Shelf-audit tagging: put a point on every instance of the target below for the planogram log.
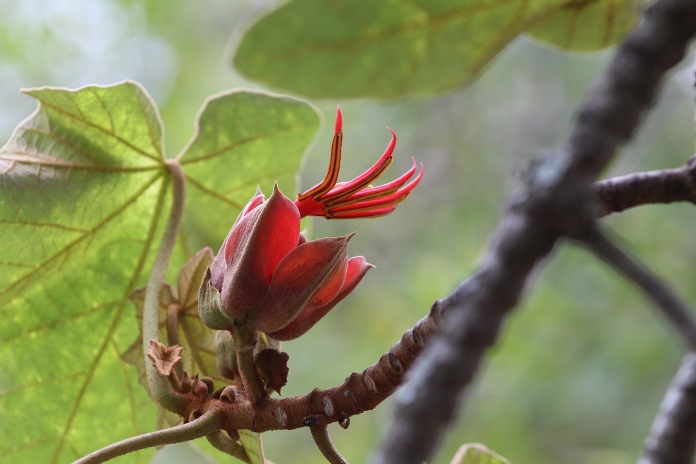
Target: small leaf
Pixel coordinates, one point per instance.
(251, 441)
(407, 48)
(476, 453)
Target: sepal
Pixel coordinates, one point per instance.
(210, 307)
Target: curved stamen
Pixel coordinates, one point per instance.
(332, 173)
(378, 191)
(367, 177)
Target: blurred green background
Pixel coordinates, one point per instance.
(581, 366)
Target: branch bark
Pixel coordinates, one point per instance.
(556, 203)
(672, 438)
(674, 308)
(663, 186)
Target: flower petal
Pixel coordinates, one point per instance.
(308, 317)
(316, 268)
(260, 240)
(236, 238)
(364, 179)
(334, 164)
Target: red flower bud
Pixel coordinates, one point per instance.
(268, 274)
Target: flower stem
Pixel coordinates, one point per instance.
(200, 427)
(244, 342)
(159, 386)
(321, 436)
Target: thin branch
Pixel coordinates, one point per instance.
(321, 436)
(159, 387)
(673, 307)
(556, 202)
(664, 186)
(177, 434)
(672, 438)
(359, 393)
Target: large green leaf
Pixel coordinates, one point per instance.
(84, 190)
(397, 48)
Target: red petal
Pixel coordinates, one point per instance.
(334, 163)
(357, 268)
(364, 179)
(238, 233)
(314, 268)
(338, 126)
(375, 204)
(253, 203)
(266, 235)
(381, 190)
(219, 264)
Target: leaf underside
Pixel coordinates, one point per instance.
(84, 195)
(411, 48)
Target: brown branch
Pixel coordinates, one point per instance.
(674, 309)
(672, 438)
(357, 394)
(557, 202)
(664, 186)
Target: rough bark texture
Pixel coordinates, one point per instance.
(672, 438)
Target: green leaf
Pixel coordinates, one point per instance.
(197, 340)
(476, 453)
(252, 445)
(587, 25)
(400, 48)
(82, 192)
(242, 140)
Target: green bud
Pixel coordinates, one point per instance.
(226, 356)
(210, 307)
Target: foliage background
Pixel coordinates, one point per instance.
(582, 365)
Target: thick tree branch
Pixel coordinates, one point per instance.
(557, 202)
(672, 438)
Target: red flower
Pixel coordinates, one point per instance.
(356, 198)
(268, 275)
